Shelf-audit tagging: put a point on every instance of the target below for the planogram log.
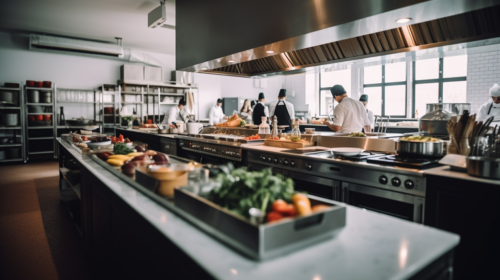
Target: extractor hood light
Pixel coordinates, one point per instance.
(230, 61)
(403, 20)
(269, 51)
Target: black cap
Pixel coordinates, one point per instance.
(261, 96)
(282, 93)
(337, 90)
(363, 98)
(182, 102)
(219, 100)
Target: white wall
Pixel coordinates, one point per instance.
(209, 90)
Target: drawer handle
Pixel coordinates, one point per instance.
(309, 222)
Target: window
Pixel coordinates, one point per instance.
(385, 86)
(439, 80)
(327, 80)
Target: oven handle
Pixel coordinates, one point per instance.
(387, 194)
(345, 192)
(419, 210)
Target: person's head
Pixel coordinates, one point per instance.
(253, 103)
(246, 106)
(182, 103)
(364, 99)
(219, 102)
(495, 93)
(262, 98)
(338, 93)
(282, 94)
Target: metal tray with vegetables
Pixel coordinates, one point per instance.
(260, 214)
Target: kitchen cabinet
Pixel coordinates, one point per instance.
(12, 128)
(470, 209)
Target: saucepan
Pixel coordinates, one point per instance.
(484, 167)
(420, 149)
(194, 128)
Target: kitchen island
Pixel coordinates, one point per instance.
(128, 235)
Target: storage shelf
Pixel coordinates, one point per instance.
(73, 127)
(40, 153)
(41, 138)
(9, 127)
(72, 180)
(131, 92)
(155, 84)
(11, 160)
(9, 88)
(40, 88)
(40, 127)
(40, 113)
(10, 145)
(40, 104)
(109, 103)
(131, 103)
(75, 102)
(9, 108)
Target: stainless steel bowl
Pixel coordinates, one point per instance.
(421, 149)
(484, 167)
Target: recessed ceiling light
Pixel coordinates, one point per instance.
(269, 51)
(230, 61)
(403, 20)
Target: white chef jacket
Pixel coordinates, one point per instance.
(483, 115)
(351, 115)
(173, 116)
(216, 115)
(370, 117)
(289, 108)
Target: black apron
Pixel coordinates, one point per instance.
(283, 116)
(258, 113)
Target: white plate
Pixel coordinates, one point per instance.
(348, 152)
(98, 144)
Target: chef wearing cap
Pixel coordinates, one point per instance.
(364, 99)
(216, 115)
(350, 115)
(284, 110)
(176, 113)
(260, 110)
(491, 108)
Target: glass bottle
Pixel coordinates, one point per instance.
(274, 132)
(62, 119)
(295, 135)
(264, 127)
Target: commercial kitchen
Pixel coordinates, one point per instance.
(249, 139)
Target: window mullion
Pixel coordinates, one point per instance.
(441, 62)
(383, 90)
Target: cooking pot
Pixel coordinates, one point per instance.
(46, 97)
(434, 123)
(456, 109)
(484, 167)
(420, 149)
(194, 128)
(6, 96)
(33, 96)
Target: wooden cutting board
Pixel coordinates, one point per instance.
(287, 144)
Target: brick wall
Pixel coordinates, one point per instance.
(483, 70)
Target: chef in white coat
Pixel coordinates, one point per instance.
(216, 115)
(176, 113)
(491, 108)
(350, 114)
(364, 99)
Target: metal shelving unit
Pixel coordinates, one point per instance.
(45, 132)
(18, 131)
(109, 97)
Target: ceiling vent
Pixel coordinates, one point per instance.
(74, 45)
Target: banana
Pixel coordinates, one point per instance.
(115, 162)
(135, 154)
(119, 157)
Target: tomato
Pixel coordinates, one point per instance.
(291, 212)
(74, 139)
(274, 217)
(85, 138)
(280, 206)
(31, 118)
(121, 138)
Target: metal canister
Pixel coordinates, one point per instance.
(46, 97)
(421, 149)
(33, 96)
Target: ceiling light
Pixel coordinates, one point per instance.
(230, 61)
(269, 51)
(403, 20)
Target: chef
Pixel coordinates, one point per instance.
(364, 99)
(260, 110)
(491, 108)
(176, 113)
(350, 115)
(284, 110)
(216, 115)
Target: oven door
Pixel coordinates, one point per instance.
(322, 187)
(404, 206)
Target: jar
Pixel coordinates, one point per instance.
(295, 134)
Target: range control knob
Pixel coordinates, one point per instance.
(383, 180)
(263, 158)
(276, 161)
(309, 166)
(269, 159)
(285, 162)
(396, 182)
(292, 163)
(409, 184)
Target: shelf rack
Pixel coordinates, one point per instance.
(18, 130)
(112, 92)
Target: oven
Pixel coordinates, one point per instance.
(405, 206)
(210, 153)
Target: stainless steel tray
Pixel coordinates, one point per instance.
(267, 240)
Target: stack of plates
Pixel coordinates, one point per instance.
(35, 109)
(9, 119)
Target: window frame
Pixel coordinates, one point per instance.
(440, 81)
(383, 85)
(319, 95)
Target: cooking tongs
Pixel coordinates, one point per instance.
(381, 123)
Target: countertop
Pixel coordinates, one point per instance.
(447, 172)
(171, 136)
(371, 246)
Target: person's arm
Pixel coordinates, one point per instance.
(366, 122)
(368, 129)
(338, 112)
(211, 116)
(292, 112)
(332, 126)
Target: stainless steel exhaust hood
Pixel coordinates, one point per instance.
(254, 37)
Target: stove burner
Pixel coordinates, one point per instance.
(404, 161)
(360, 157)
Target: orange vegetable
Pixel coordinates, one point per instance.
(280, 206)
(320, 207)
(302, 204)
(274, 217)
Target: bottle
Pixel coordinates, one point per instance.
(62, 120)
(274, 132)
(264, 127)
(295, 135)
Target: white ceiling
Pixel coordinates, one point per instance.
(92, 19)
